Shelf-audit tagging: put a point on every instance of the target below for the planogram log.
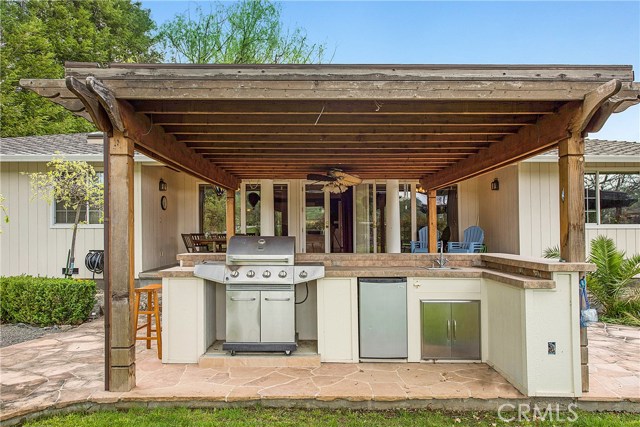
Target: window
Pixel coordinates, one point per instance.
(612, 197)
(63, 215)
(213, 209)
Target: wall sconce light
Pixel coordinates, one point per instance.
(495, 184)
(162, 186)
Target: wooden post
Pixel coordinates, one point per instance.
(572, 239)
(231, 214)
(120, 329)
(571, 164)
(432, 209)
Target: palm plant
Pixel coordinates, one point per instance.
(611, 283)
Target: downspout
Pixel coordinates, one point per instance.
(107, 282)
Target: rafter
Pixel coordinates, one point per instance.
(529, 141)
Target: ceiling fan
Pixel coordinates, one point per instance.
(336, 181)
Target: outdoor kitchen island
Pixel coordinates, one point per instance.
(528, 311)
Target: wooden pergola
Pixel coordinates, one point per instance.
(439, 124)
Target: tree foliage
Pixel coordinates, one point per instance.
(245, 32)
(38, 36)
(75, 184)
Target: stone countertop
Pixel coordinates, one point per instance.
(532, 263)
(516, 280)
(394, 271)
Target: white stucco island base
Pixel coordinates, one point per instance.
(529, 312)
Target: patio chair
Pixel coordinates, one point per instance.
(422, 244)
(472, 241)
(192, 245)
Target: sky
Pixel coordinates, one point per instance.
(469, 32)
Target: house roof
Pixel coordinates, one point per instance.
(601, 150)
(37, 148)
(75, 147)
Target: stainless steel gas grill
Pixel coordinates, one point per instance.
(260, 276)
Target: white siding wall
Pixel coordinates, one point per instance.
(161, 240)
(29, 244)
(539, 208)
(468, 209)
(495, 211)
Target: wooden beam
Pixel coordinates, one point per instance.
(92, 105)
(310, 149)
(432, 221)
(571, 168)
(231, 214)
(437, 141)
(340, 130)
(528, 142)
(345, 107)
(357, 72)
(286, 119)
(119, 264)
(460, 90)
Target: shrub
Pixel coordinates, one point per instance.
(45, 301)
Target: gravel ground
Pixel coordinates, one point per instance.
(14, 333)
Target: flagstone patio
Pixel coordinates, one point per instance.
(63, 369)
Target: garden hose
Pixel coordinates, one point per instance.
(94, 261)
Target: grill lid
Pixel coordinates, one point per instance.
(272, 250)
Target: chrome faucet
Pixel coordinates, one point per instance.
(442, 262)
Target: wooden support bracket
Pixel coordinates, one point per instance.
(593, 101)
(91, 103)
(108, 101)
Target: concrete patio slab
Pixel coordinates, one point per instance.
(67, 369)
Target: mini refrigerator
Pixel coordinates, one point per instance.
(382, 315)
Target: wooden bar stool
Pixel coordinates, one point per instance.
(153, 309)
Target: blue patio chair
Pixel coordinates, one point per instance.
(422, 244)
(472, 241)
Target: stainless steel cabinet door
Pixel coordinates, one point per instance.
(277, 316)
(243, 316)
(465, 330)
(436, 330)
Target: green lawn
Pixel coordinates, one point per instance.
(320, 417)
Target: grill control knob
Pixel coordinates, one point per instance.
(234, 273)
(282, 274)
(303, 274)
(251, 273)
(266, 274)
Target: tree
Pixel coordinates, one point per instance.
(3, 210)
(245, 32)
(37, 37)
(76, 185)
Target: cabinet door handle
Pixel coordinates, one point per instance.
(277, 299)
(448, 329)
(242, 299)
(455, 325)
